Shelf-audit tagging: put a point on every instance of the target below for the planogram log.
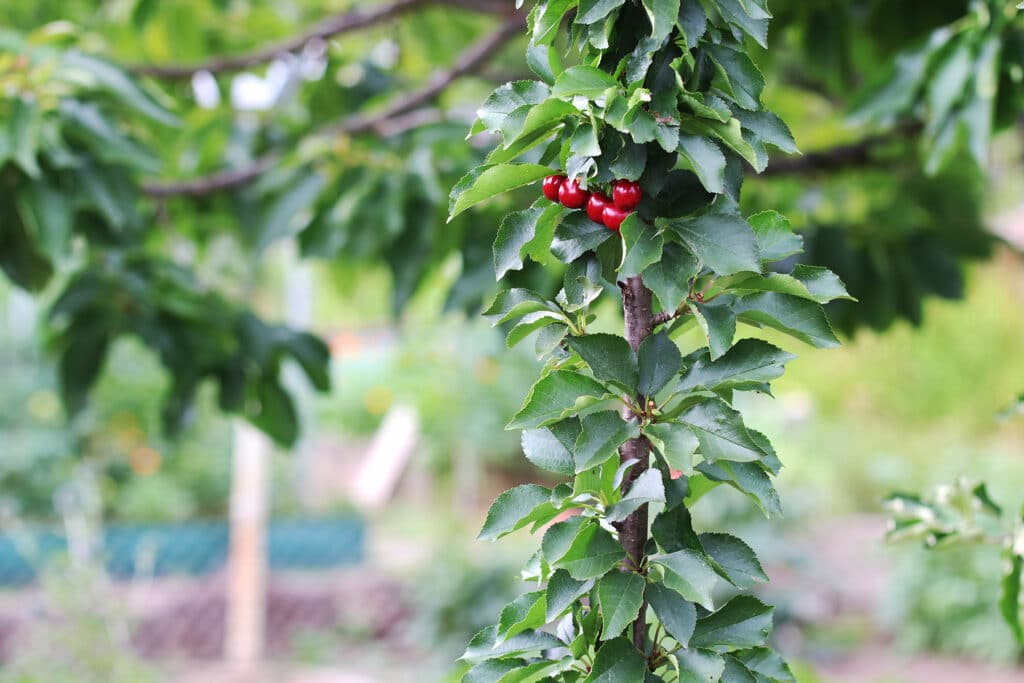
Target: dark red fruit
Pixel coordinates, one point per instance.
(595, 206)
(614, 216)
(626, 194)
(572, 195)
(551, 185)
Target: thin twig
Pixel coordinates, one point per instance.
(383, 122)
(328, 28)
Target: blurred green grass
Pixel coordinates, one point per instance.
(910, 407)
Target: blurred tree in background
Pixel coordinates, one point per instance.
(154, 153)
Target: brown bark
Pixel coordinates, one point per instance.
(639, 314)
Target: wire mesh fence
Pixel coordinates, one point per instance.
(159, 592)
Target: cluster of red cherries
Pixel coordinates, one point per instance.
(610, 212)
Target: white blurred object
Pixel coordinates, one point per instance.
(250, 92)
(384, 54)
(313, 60)
(206, 90)
(388, 455)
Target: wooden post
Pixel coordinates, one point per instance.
(247, 559)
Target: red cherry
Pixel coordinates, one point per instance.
(551, 185)
(614, 216)
(572, 195)
(596, 205)
(627, 194)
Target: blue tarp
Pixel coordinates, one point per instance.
(193, 548)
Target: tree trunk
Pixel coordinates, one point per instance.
(639, 315)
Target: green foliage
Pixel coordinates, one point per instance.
(92, 149)
(677, 93)
(961, 515)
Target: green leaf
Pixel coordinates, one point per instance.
(768, 663)
(530, 323)
(630, 162)
(718, 321)
(312, 355)
(735, 558)
(555, 397)
(1009, 601)
(676, 442)
(947, 86)
(522, 614)
(729, 133)
(799, 318)
(559, 538)
(544, 450)
(735, 672)
(506, 99)
(594, 551)
(978, 114)
(748, 16)
(562, 592)
(104, 76)
(576, 235)
(669, 279)
(742, 623)
(485, 182)
(692, 22)
(514, 509)
(743, 80)
(483, 645)
(609, 357)
(81, 362)
(721, 432)
(678, 616)
(517, 233)
(662, 15)
(582, 283)
(621, 594)
(515, 303)
(539, 123)
(548, 19)
(823, 285)
(593, 11)
(749, 479)
(706, 160)
(673, 530)
(602, 434)
(647, 488)
(643, 246)
(588, 81)
(769, 127)
(544, 61)
(725, 243)
(492, 671)
(290, 212)
(699, 666)
(86, 122)
(748, 365)
(688, 573)
(617, 662)
(276, 415)
(47, 216)
(816, 284)
(659, 361)
(775, 238)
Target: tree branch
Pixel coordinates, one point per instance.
(860, 154)
(393, 118)
(328, 28)
(637, 307)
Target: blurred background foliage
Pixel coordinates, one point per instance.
(159, 280)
